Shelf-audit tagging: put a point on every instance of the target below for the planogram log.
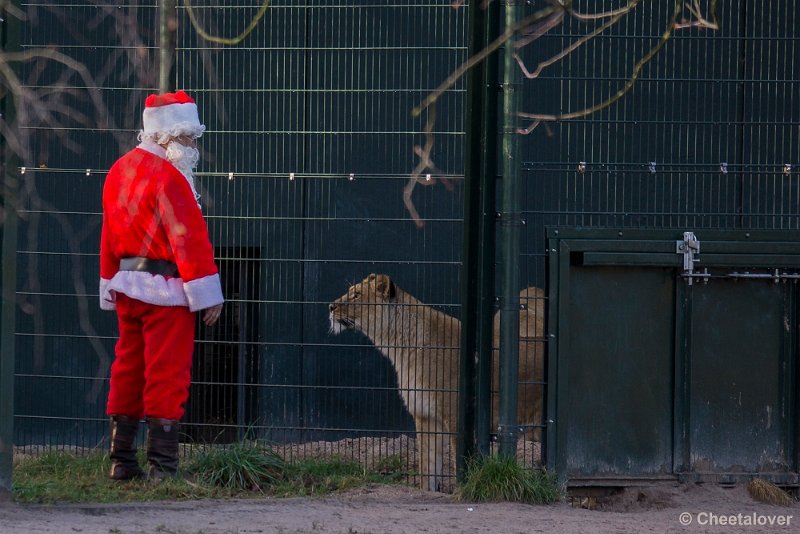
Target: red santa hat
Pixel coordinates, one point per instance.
(171, 115)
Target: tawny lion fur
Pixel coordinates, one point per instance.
(423, 346)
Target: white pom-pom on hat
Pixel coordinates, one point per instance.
(171, 115)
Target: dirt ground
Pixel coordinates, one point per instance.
(400, 509)
(403, 509)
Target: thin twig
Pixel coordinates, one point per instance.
(605, 14)
(574, 46)
(226, 40)
(41, 107)
(481, 56)
(424, 154)
(637, 70)
(701, 21)
(529, 129)
(540, 29)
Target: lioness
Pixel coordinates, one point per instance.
(423, 345)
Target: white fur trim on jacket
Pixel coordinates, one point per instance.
(153, 148)
(155, 289)
(139, 285)
(203, 292)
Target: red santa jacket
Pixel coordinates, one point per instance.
(149, 210)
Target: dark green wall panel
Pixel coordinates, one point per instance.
(739, 396)
(619, 373)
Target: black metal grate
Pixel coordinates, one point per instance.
(708, 137)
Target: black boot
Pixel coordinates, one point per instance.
(162, 448)
(124, 465)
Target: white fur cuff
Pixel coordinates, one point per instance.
(203, 292)
(106, 297)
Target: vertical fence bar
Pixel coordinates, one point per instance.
(167, 26)
(8, 279)
(478, 287)
(471, 265)
(510, 222)
(7, 317)
(486, 281)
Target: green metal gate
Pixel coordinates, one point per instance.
(673, 355)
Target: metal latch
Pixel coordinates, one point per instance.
(776, 276)
(690, 248)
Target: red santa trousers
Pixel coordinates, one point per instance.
(152, 370)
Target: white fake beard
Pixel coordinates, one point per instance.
(185, 159)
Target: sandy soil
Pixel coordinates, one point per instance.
(403, 509)
(384, 509)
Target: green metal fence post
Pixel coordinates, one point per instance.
(167, 25)
(477, 292)
(7, 320)
(8, 278)
(488, 257)
(471, 251)
(510, 222)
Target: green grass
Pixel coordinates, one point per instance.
(62, 477)
(250, 469)
(243, 470)
(242, 466)
(319, 477)
(502, 478)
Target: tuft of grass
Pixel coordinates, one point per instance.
(502, 478)
(765, 491)
(242, 466)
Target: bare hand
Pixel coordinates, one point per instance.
(211, 315)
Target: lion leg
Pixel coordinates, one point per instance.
(439, 455)
(453, 453)
(422, 456)
(430, 441)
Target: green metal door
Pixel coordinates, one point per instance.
(668, 363)
(739, 377)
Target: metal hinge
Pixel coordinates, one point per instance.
(689, 246)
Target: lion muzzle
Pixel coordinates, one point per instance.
(340, 324)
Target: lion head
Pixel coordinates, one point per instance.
(359, 307)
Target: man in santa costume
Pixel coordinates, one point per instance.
(156, 269)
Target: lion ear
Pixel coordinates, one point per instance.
(385, 287)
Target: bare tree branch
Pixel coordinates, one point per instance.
(604, 14)
(637, 70)
(700, 21)
(226, 40)
(53, 104)
(528, 21)
(425, 163)
(577, 44)
(31, 101)
(532, 28)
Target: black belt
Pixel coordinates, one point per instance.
(162, 267)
